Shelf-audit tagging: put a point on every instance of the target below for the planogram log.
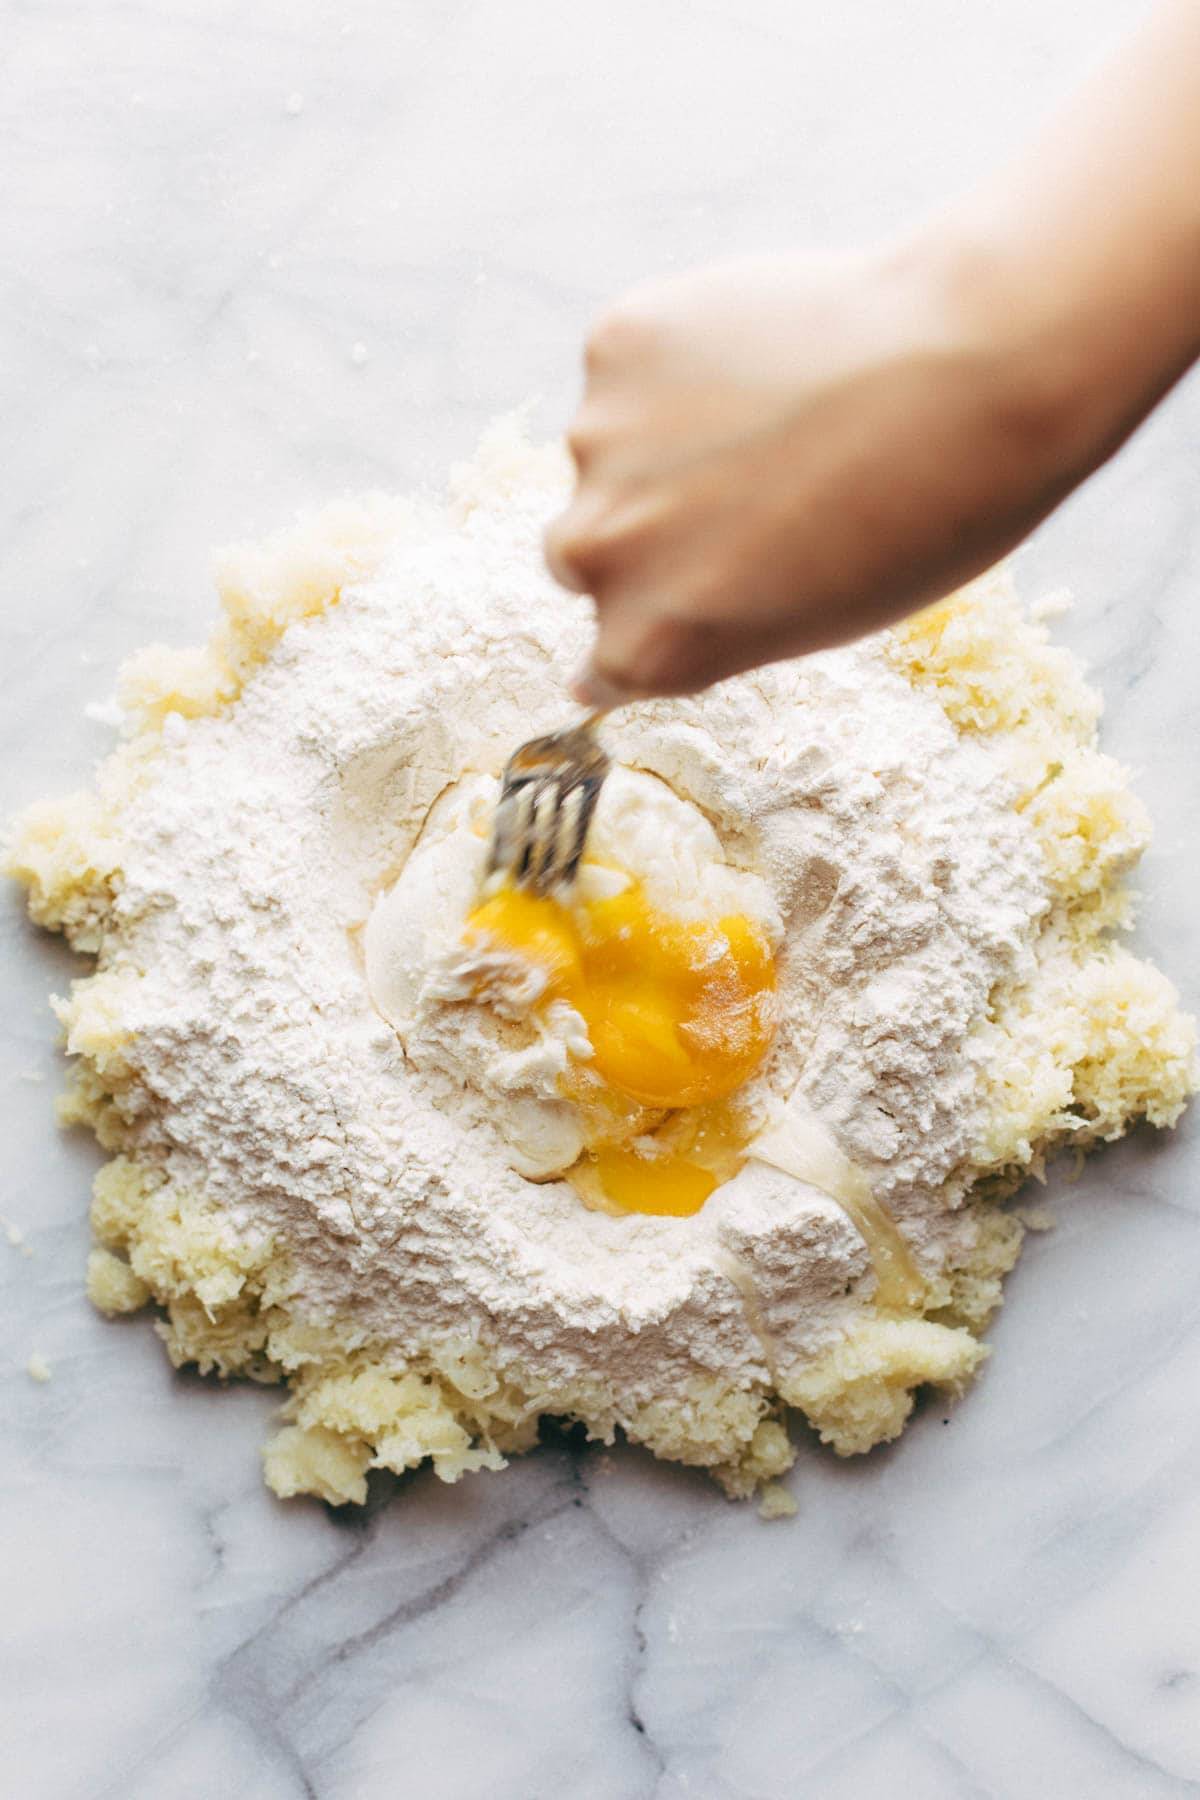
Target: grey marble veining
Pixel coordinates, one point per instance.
(258, 255)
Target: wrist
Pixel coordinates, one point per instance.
(1033, 348)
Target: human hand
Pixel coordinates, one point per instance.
(779, 455)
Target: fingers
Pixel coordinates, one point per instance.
(605, 531)
(652, 633)
(578, 542)
(643, 649)
(593, 689)
(571, 541)
(609, 540)
(575, 541)
(625, 336)
(564, 546)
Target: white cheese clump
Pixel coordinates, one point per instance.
(331, 1189)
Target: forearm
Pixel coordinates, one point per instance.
(1086, 251)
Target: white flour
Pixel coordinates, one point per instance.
(906, 884)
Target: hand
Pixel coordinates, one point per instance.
(779, 455)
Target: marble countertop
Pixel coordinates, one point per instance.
(257, 255)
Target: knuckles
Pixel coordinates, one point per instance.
(581, 442)
(624, 331)
(572, 551)
(585, 542)
(666, 653)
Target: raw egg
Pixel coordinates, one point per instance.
(678, 1013)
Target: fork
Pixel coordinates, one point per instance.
(548, 793)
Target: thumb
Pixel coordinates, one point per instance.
(593, 688)
(641, 651)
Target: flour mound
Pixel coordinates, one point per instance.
(334, 1189)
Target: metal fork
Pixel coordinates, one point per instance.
(548, 794)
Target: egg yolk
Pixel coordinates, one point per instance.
(678, 1013)
(673, 1169)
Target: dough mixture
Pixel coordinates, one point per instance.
(728, 1133)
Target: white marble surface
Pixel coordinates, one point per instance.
(206, 207)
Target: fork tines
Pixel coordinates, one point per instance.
(548, 794)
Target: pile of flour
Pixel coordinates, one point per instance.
(903, 885)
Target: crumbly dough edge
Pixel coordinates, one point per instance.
(1071, 1058)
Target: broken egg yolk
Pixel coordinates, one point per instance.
(678, 1013)
(671, 1170)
